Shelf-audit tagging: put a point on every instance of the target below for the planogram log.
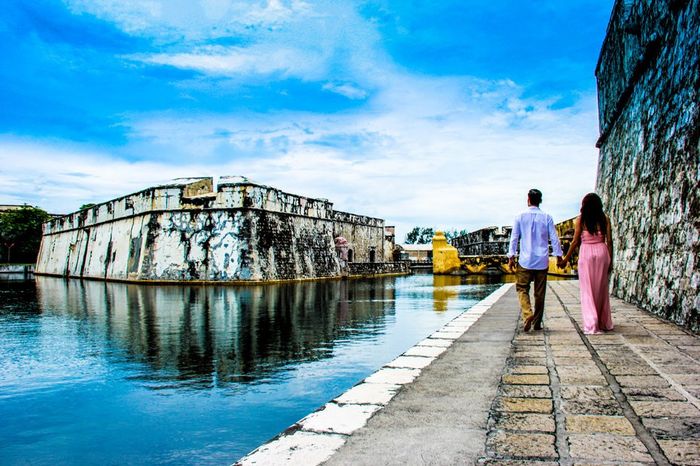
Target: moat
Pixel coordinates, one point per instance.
(110, 373)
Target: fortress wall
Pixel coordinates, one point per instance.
(484, 242)
(216, 245)
(649, 165)
(364, 234)
(187, 232)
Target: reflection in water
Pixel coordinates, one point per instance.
(218, 335)
(96, 372)
(444, 288)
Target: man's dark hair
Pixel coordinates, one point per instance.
(535, 197)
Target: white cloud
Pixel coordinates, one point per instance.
(232, 61)
(348, 90)
(429, 154)
(192, 19)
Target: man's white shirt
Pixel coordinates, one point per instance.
(534, 229)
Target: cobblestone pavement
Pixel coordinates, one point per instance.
(628, 397)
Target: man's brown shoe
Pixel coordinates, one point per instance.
(528, 324)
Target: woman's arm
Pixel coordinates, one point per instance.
(575, 242)
(609, 242)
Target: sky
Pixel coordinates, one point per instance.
(424, 113)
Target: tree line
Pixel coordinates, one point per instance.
(420, 235)
(20, 234)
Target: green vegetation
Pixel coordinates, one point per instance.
(20, 234)
(421, 235)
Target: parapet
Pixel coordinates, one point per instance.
(195, 194)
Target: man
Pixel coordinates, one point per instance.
(534, 229)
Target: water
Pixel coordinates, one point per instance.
(110, 373)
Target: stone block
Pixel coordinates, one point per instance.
(425, 351)
(298, 448)
(684, 452)
(599, 424)
(604, 407)
(516, 445)
(393, 376)
(525, 422)
(631, 369)
(368, 393)
(524, 405)
(526, 391)
(607, 448)
(664, 409)
(529, 370)
(674, 428)
(338, 419)
(641, 381)
(526, 379)
(652, 394)
(411, 362)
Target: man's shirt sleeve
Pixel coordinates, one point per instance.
(514, 238)
(554, 238)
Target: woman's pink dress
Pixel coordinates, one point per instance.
(593, 264)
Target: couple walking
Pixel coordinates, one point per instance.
(534, 230)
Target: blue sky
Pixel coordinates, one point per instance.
(425, 113)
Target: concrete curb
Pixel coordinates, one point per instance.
(315, 438)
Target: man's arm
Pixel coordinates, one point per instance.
(554, 238)
(513, 247)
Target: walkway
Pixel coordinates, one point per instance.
(499, 396)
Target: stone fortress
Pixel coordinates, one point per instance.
(187, 231)
(649, 167)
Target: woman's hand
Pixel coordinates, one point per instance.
(561, 263)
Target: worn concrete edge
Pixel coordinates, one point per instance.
(315, 438)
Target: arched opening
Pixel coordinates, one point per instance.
(350, 254)
(372, 255)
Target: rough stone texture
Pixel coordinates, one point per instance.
(510, 444)
(602, 447)
(525, 405)
(672, 428)
(649, 167)
(186, 231)
(685, 452)
(600, 424)
(525, 422)
(490, 241)
(526, 379)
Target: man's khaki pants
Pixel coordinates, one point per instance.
(522, 285)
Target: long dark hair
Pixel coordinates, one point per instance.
(592, 215)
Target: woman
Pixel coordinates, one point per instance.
(593, 233)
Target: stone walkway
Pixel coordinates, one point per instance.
(626, 397)
(499, 396)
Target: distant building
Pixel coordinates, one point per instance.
(9, 207)
(418, 252)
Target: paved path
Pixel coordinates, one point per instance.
(501, 396)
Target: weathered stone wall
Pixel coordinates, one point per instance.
(378, 268)
(488, 241)
(365, 235)
(187, 232)
(649, 166)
